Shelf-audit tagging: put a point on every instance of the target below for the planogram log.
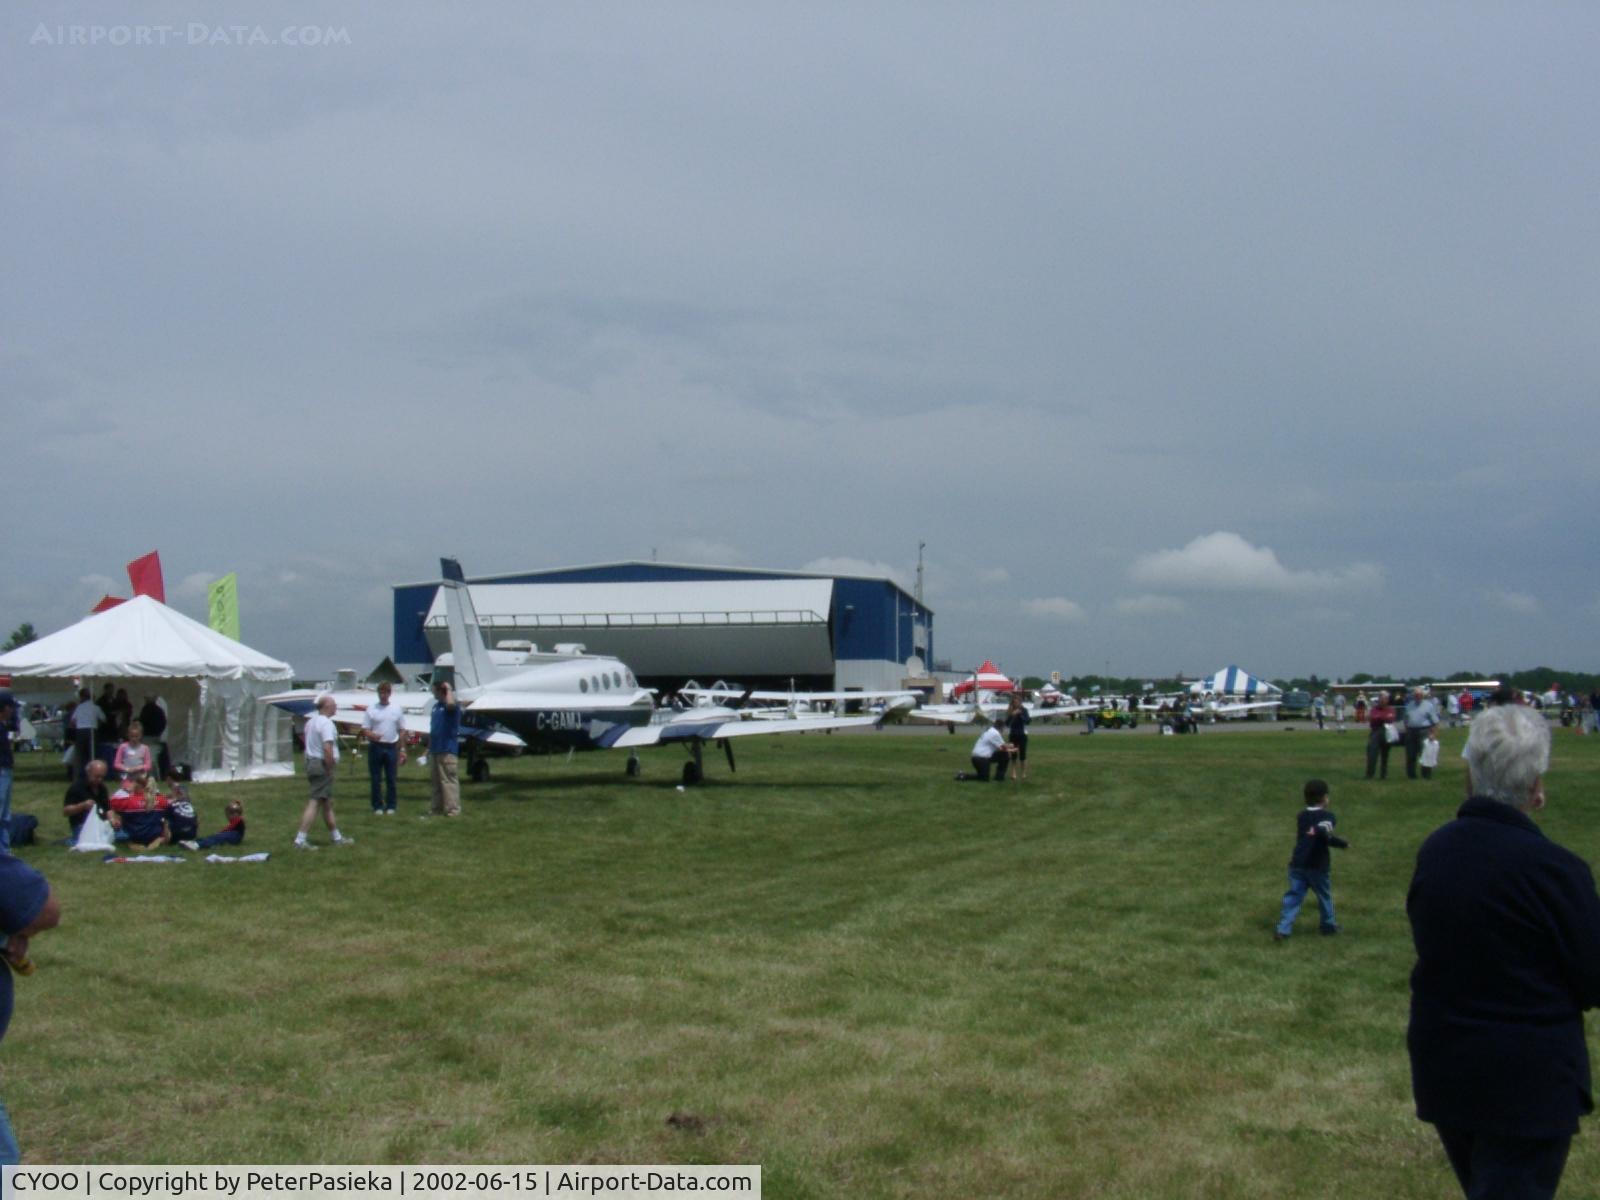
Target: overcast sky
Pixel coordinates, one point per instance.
(1182, 334)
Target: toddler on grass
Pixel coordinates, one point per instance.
(1309, 864)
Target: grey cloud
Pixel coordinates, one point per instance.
(1051, 289)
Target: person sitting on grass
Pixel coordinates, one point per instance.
(87, 794)
(1309, 863)
(990, 753)
(140, 811)
(182, 825)
(230, 835)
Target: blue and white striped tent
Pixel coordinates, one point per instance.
(1231, 681)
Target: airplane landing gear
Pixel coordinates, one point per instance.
(477, 763)
(694, 769)
(634, 766)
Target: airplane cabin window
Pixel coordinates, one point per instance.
(583, 685)
(605, 682)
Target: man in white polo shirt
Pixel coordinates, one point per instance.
(382, 725)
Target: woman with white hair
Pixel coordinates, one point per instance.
(1507, 930)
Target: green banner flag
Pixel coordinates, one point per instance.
(223, 596)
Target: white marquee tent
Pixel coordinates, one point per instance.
(210, 684)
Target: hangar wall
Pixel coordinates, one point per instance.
(672, 621)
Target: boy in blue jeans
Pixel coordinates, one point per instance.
(231, 834)
(1308, 865)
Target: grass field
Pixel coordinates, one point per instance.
(838, 963)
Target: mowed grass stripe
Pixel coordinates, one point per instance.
(837, 962)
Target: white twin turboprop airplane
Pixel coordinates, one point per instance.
(590, 702)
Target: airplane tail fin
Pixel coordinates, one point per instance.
(473, 667)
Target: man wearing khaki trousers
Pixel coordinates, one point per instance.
(444, 743)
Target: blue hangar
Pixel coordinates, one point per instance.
(672, 622)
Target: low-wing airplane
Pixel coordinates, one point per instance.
(1222, 706)
(590, 702)
(758, 705)
(986, 695)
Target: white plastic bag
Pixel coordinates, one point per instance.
(95, 834)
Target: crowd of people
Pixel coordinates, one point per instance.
(94, 727)
(144, 813)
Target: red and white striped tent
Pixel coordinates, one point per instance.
(987, 679)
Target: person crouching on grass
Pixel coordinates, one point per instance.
(1308, 865)
(991, 752)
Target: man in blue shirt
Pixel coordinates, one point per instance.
(27, 907)
(444, 744)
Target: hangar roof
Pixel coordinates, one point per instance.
(747, 601)
(651, 569)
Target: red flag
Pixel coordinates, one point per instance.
(145, 575)
(107, 601)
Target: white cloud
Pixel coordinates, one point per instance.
(839, 565)
(1517, 602)
(1054, 608)
(1149, 605)
(194, 585)
(98, 583)
(1224, 561)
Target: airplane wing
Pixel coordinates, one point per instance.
(1223, 710)
(350, 708)
(716, 729)
(1060, 710)
(774, 697)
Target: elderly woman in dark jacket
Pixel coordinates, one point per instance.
(1379, 717)
(1507, 930)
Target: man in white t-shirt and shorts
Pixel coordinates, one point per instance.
(322, 759)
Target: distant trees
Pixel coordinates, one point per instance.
(20, 636)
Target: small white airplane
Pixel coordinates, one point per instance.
(759, 705)
(590, 702)
(1215, 707)
(987, 694)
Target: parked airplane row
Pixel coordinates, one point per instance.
(565, 702)
(573, 702)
